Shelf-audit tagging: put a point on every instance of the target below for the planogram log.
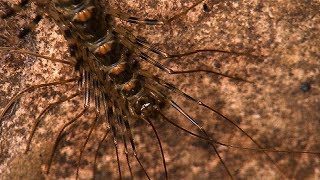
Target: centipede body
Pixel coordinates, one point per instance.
(282, 110)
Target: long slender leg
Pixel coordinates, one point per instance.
(87, 89)
(213, 51)
(140, 42)
(154, 62)
(131, 19)
(31, 88)
(22, 51)
(109, 113)
(160, 146)
(97, 152)
(199, 136)
(178, 91)
(39, 118)
(97, 96)
(114, 130)
(127, 155)
(87, 80)
(129, 133)
(143, 43)
(120, 120)
(97, 106)
(233, 146)
(85, 144)
(193, 121)
(129, 40)
(59, 136)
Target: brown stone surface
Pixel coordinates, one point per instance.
(284, 38)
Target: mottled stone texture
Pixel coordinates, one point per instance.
(280, 110)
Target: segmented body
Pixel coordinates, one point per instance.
(106, 60)
(209, 127)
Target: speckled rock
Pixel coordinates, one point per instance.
(280, 109)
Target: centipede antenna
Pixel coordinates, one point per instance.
(23, 51)
(129, 133)
(39, 118)
(59, 137)
(193, 121)
(160, 146)
(85, 143)
(31, 88)
(97, 152)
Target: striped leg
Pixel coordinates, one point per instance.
(146, 21)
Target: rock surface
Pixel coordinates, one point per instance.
(280, 110)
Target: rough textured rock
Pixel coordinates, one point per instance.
(280, 110)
